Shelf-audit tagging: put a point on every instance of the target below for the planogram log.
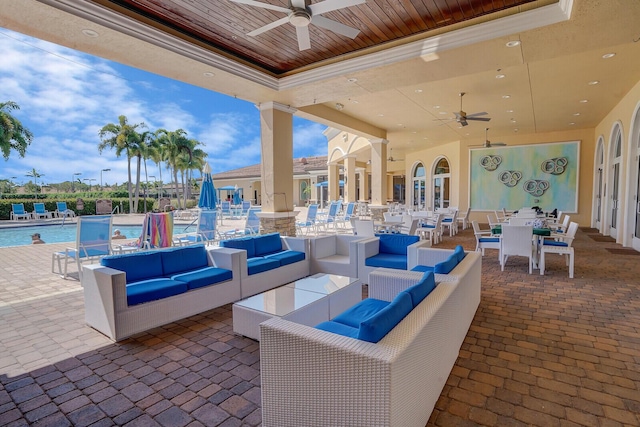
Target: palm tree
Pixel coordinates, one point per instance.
(33, 173)
(12, 134)
(175, 143)
(122, 137)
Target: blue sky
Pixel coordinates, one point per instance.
(66, 96)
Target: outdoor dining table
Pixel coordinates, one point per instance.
(542, 232)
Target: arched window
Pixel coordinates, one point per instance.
(441, 184)
(418, 182)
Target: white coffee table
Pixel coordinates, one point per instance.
(307, 301)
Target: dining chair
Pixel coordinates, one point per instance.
(517, 240)
(463, 219)
(431, 229)
(451, 222)
(561, 246)
(493, 220)
(485, 239)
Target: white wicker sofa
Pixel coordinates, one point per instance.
(335, 254)
(312, 377)
(106, 301)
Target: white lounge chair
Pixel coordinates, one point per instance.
(93, 241)
(39, 211)
(18, 212)
(206, 230)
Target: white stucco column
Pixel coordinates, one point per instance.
(276, 168)
(379, 172)
(334, 184)
(362, 183)
(350, 179)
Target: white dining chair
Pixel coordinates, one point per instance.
(517, 240)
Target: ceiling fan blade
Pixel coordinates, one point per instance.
(268, 27)
(479, 119)
(335, 26)
(263, 5)
(304, 42)
(330, 5)
(477, 114)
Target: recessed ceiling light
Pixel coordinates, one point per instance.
(509, 111)
(513, 43)
(513, 120)
(414, 132)
(584, 101)
(442, 112)
(354, 101)
(436, 106)
(506, 96)
(593, 82)
(516, 130)
(339, 106)
(418, 90)
(380, 115)
(572, 123)
(608, 55)
(576, 114)
(90, 33)
(208, 74)
(400, 124)
(352, 80)
(500, 76)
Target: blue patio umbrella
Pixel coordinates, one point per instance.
(236, 196)
(208, 198)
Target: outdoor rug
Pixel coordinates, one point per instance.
(618, 251)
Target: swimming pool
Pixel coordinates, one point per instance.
(19, 236)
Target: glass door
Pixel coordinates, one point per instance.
(441, 184)
(599, 186)
(615, 186)
(419, 188)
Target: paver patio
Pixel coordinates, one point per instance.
(542, 350)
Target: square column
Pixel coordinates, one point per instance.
(276, 169)
(350, 179)
(334, 181)
(379, 172)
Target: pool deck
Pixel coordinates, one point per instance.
(542, 350)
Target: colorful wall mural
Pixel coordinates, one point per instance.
(544, 175)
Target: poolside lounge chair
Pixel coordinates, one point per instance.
(304, 227)
(206, 230)
(18, 212)
(245, 208)
(63, 211)
(251, 226)
(39, 211)
(93, 241)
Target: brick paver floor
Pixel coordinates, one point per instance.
(542, 350)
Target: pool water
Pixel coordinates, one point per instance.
(19, 236)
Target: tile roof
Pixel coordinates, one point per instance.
(301, 166)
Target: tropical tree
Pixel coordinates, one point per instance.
(175, 143)
(13, 136)
(33, 173)
(123, 137)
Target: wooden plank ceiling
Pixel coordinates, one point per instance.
(221, 25)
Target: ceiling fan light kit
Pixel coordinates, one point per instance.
(300, 16)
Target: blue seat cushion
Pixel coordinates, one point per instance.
(489, 239)
(259, 264)
(153, 289)
(459, 251)
(338, 328)
(420, 290)
(359, 312)
(178, 260)
(377, 326)
(138, 266)
(396, 243)
(267, 244)
(286, 257)
(399, 262)
(423, 268)
(244, 243)
(554, 243)
(203, 277)
(445, 267)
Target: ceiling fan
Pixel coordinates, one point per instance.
(487, 143)
(391, 158)
(462, 117)
(300, 15)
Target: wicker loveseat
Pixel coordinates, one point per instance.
(313, 377)
(131, 293)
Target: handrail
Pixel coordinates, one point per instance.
(117, 208)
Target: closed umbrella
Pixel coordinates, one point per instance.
(236, 196)
(208, 198)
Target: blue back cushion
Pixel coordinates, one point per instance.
(447, 265)
(420, 290)
(138, 266)
(360, 312)
(244, 243)
(377, 326)
(268, 244)
(396, 244)
(459, 251)
(183, 259)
